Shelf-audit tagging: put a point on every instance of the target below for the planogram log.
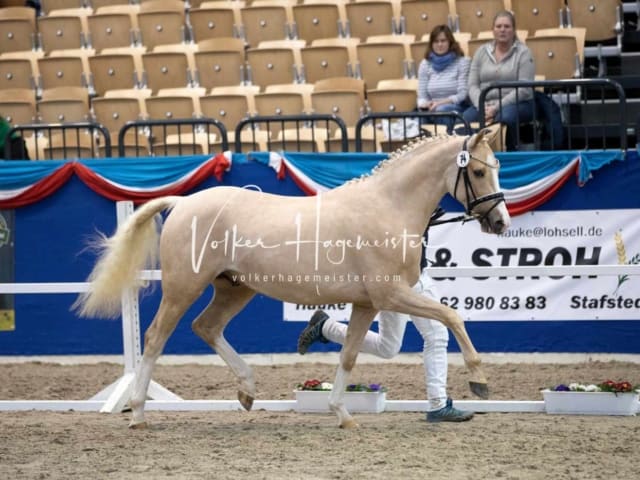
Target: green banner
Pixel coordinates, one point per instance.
(7, 269)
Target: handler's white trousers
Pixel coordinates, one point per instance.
(387, 342)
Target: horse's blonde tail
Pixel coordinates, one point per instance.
(134, 245)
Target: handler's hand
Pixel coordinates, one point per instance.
(490, 113)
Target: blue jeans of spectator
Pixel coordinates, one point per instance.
(510, 115)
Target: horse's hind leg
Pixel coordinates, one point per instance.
(155, 338)
(228, 300)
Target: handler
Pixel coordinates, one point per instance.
(387, 343)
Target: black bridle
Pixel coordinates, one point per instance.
(472, 200)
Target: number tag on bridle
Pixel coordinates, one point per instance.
(463, 159)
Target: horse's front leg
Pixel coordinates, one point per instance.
(359, 324)
(405, 300)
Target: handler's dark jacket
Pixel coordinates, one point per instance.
(423, 254)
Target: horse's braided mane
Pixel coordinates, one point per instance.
(400, 152)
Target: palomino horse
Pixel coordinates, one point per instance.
(358, 243)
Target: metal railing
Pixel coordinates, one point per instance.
(592, 115)
(396, 128)
(581, 128)
(191, 136)
(277, 132)
(62, 140)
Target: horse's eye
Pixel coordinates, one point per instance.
(479, 173)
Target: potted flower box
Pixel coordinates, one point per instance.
(313, 397)
(607, 398)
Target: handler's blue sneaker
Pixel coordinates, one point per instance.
(449, 413)
(312, 333)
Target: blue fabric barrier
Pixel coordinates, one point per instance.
(51, 240)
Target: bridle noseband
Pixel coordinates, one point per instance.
(463, 159)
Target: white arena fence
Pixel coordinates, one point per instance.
(113, 399)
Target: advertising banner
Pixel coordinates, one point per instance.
(7, 268)
(577, 237)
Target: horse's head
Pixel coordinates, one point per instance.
(476, 183)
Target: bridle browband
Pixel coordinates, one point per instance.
(463, 160)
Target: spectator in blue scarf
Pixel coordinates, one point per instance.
(443, 76)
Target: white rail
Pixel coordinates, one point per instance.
(537, 271)
(114, 397)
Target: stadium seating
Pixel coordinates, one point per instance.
(219, 20)
(272, 66)
(71, 94)
(552, 56)
(199, 46)
(325, 61)
(112, 29)
(16, 73)
(166, 70)
(318, 20)
(538, 14)
(49, 6)
(368, 18)
(266, 22)
(382, 59)
(220, 61)
(114, 72)
(475, 16)
(63, 30)
(18, 106)
(17, 29)
(161, 22)
(419, 17)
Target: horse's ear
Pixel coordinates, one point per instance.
(492, 134)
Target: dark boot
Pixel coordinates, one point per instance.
(449, 413)
(312, 332)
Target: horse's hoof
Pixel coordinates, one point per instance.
(479, 389)
(245, 400)
(349, 424)
(138, 426)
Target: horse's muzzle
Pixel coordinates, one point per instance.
(495, 224)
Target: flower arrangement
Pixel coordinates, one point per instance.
(313, 396)
(606, 386)
(317, 385)
(606, 398)
(361, 387)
